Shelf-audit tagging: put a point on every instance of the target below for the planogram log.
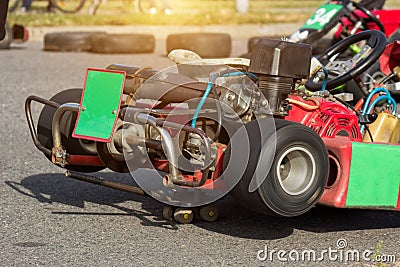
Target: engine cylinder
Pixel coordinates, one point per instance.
(278, 65)
(275, 89)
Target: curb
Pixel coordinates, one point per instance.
(244, 31)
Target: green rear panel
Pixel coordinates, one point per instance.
(100, 104)
(374, 176)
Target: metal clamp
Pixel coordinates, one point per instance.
(58, 154)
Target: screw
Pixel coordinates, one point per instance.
(231, 97)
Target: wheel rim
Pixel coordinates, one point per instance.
(296, 170)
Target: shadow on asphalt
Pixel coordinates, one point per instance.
(56, 188)
(234, 220)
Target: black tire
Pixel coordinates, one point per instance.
(297, 147)
(68, 6)
(253, 40)
(8, 38)
(72, 145)
(206, 45)
(123, 43)
(68, 41)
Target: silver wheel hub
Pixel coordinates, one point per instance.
(296, 170)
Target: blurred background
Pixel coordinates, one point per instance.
(182, 12)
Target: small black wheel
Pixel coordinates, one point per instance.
(298, 173)
(68, 6)
(209, 213)
(196, 213)
(72, 145)
(168, 213)
(183, 215)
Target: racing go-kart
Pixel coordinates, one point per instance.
(271, 131)
(336, 20)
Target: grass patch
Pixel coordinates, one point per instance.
(185, 12)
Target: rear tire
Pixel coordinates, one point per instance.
(68, 41)
(253, 40)
(297, 177)
(67, 124)
(123, 43)
(206, 45)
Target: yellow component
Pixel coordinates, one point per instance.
(186, 216)
(396, 71)
(211, 213)
(385, 129)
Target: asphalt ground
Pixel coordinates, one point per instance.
(48, 220)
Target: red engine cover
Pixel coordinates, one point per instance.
(330, 119)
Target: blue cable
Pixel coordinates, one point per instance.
(373, 92)
(201, 103)
(235, 73)
(325, 79)
(208, 90)
(252, 75)
(382, 97)
(238, 73)
(388, 97)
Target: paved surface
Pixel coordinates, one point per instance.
(48, 220)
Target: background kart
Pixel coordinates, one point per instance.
(250, 128)
(336, 20)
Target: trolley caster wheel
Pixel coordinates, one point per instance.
(183, 216)
(168, 213)
(209, 213)
(196, 213)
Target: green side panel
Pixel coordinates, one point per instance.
(100, 104)
(374, 176)
(322, 16)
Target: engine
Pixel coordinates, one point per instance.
(327, 118)
(279, 65)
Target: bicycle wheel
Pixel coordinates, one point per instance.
(13, 5)
(68, 6)
(144, 6)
